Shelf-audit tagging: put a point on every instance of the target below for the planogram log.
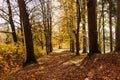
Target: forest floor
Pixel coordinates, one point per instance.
(66, 66)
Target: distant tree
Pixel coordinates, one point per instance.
(76, 32)
(83, 15)
(68, 20)
(27, 33)
(71, 25)
(46, 11)
(92, 27)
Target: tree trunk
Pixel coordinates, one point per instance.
(71, 22)
(118, 27)
(47, 42)
(47, 22)
(84, 27)
(78, 27)
(72, 48)
(92, 27)
(77, 44)
(99, 31)
(51, 47)
(50, 22)
(110, 24)
(22, 33)
(11, 22)
(27, 33)
(103, 17)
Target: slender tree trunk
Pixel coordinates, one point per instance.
(47, 22)
(72, 48)
(92, 27)
(51, 47)
(50, 22)
(118, 27)
(110, 24)
(84, 27)
(72, 42)
(78, 27)
(99, 32)
(49, 26)
(103, 17)
(22, 33)
(47, 43)
(27, 33)
(11, 22)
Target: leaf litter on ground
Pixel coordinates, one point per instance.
(67, 66)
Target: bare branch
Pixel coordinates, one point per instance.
(5, 32)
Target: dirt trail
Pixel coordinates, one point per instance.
(64, 65)
(51, 67)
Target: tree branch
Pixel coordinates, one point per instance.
(5, 32)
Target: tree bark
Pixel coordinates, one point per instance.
(103, 17)
(110, 24)
(84, 27)
(99, 31)
(47, 22)
(78, 27)
(71, 26)
(117, 48)
(11, 22)
(27, 33)
(92, 28)
(50, 24)
(72, 48)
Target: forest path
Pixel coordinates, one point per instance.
(63, 65)
(51, 67)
